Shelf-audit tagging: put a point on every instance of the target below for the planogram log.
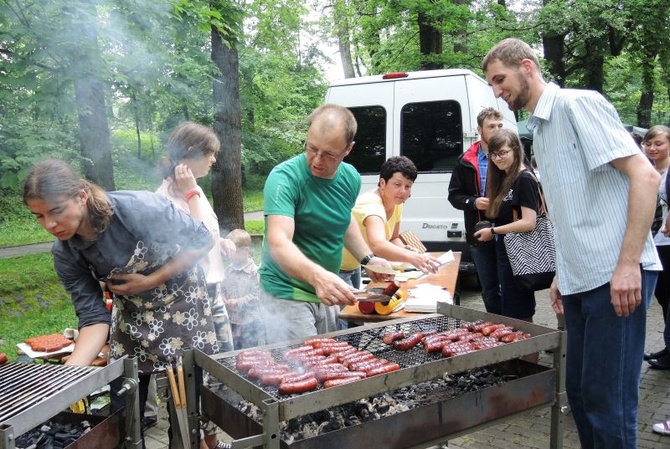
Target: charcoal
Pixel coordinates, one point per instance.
(381, 405)
(52, 435)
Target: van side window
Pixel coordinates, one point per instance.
(432, 134)
(369, 152)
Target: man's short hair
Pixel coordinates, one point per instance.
(510, 52)
(333, 112)
(488, 113)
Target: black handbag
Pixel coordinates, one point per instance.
(532, 255)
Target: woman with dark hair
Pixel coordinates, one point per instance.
(190, 153)
(145, 252)
(378, 214)
(514, 202)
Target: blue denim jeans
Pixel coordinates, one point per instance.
(485, 259)
(352, 277)
(604, 356)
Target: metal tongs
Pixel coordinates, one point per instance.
(372, 295)
(178, 388)
(377, 294)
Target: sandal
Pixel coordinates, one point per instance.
(663, 428)
(222, 445)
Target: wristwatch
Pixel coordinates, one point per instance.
(366, 259)
(493, 231)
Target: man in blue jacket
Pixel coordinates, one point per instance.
(467, 192)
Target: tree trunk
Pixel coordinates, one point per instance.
(430, 43)
(344, 46)
(664, 59)
(593, 62)
(136, 116)
(647, 94)
(341, 20)
(226, 179)
(461, 33)
(95, 145)
(554, 54)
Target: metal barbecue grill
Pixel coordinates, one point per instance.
(534, 386)
(32, 393)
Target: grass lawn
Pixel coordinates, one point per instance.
(32, 301)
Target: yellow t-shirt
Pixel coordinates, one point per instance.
(367, 204)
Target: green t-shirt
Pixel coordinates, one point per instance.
(321, 210)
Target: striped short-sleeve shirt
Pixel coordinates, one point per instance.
(576, 134)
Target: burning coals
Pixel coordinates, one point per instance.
(52, 435)
(382, 405)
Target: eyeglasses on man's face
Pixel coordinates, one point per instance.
(498, 154)
(325, 155)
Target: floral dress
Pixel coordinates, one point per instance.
(154, 326)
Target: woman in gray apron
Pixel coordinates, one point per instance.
(143, 250)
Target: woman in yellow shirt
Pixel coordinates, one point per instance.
(378, 213)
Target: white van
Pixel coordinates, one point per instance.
(430, 117)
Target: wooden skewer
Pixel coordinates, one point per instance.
(173, 387)
(182, 384)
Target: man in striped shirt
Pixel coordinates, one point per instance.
(600, 190)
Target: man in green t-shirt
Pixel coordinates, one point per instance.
(308, 201)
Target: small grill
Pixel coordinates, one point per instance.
(32, 393)
(534, 386)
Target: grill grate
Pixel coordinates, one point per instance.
(22, 385)
(371, 340)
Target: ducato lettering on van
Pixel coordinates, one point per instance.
(432, 226)
(430, 117)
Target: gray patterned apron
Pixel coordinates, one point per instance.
(155, 326)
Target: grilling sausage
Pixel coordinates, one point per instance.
(341, 381)
(244, 364)
(383, 369)
(500, 333)
(297, 377)
(488, 330)
(408, 343)
(318, 341)
(453, 349)
(298, 387)
(325, 376)
(393, 336)
(435, 345)
(515, 336)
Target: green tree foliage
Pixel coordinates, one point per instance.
(155, 68)
(151, 64)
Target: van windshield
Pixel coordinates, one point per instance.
(431, 135)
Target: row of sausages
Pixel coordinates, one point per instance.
(461, 340)
(319, 361)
